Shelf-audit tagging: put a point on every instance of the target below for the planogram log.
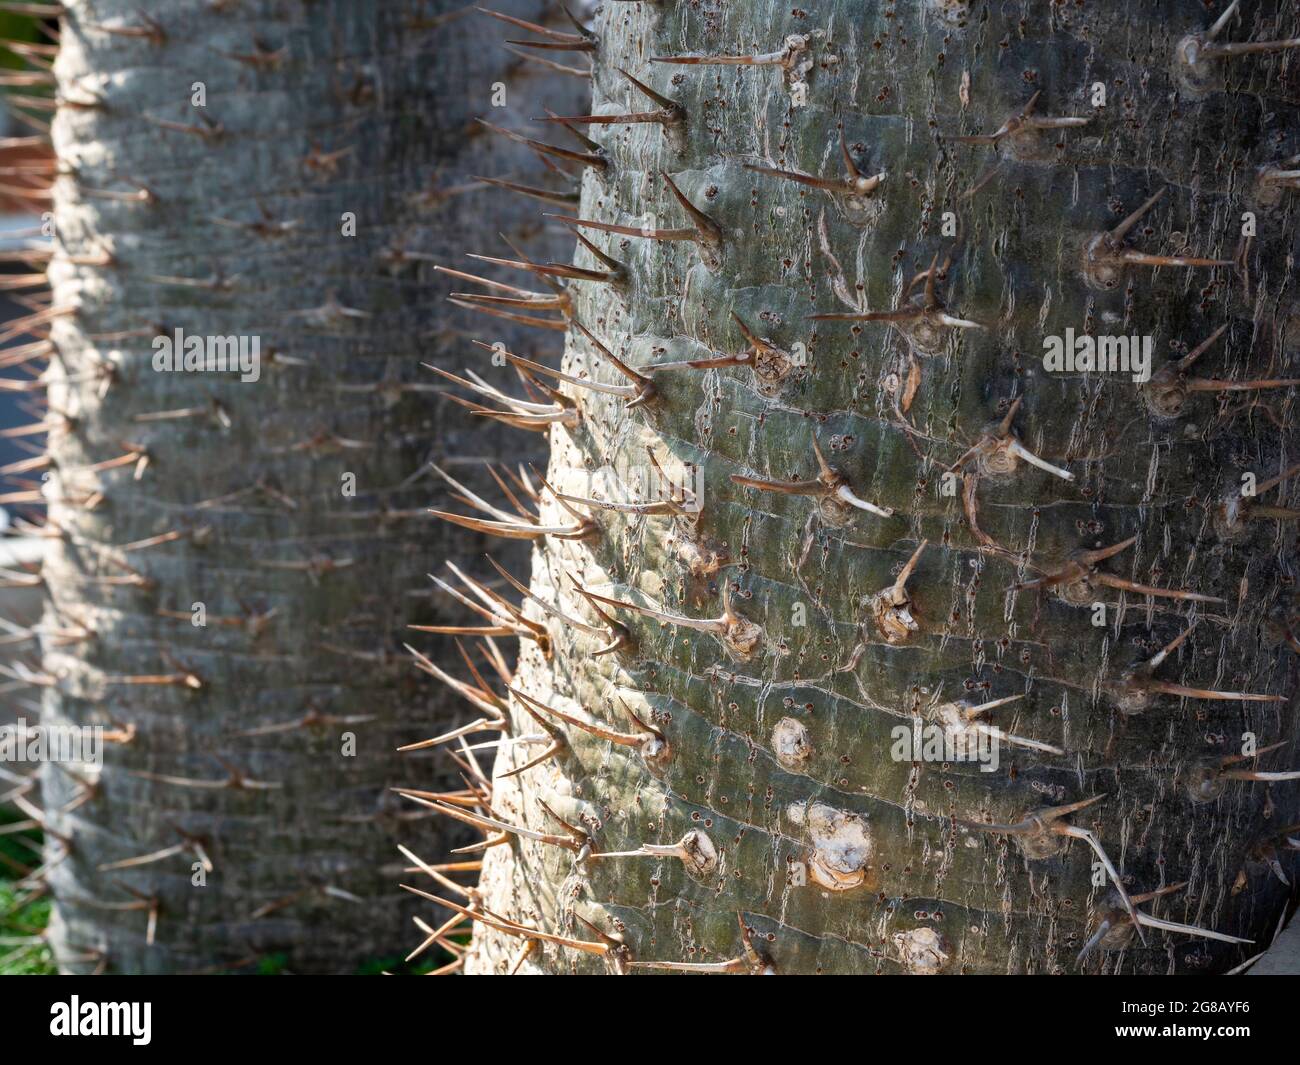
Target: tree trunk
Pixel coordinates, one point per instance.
(235, 564)
(906, 516)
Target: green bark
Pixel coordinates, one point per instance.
(837, 855)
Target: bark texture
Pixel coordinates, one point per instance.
(838, 854)
(232, 219)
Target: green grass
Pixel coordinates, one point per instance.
(21, 921)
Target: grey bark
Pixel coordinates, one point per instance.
(226, 220)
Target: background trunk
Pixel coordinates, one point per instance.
(838, 855)
(229, 220)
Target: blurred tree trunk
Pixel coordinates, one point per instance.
(282, 170)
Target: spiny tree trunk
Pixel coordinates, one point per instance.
(1134, 601)
(291, 508)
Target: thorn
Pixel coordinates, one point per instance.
(187, 843)
(1121, 231)
(534, 300)
(522, 263)
(999, 452)
(1205, 781)
(183, 679)
(658, 507)
(558, 743)
(645, 387)
(681, 507)
(668, 114)
(531, 191)
(1260, 775)
(705, 233)
(554, 612)
(626, 391)
(708, 230)
(510, 928)
(1134, 690)
(1138, 258)
(1279, 174)
(1105, 257)
(831, 486)
(533, 27)
(1191, 930)
(1147, 896)
(1112, 581)
(1022, 121)
(1115, 929)
(854, 183)
(526, 951)
(892, 608)
(1076, 581)
(594, 159)
(617, 273)
(735, 965)
(1034, 836)
(551, 751)
(481, 696)
(594, 728)
(695, 850)
(1200, 384)
(235, 780)
(923, 319)
(35, 10)
(961, 721)
(580, 42)
(738, 634)
(436, 936)
(1170, 385)
(572, 130)
(492, 607)
(1168, 388)
(1222, 21)
(1234, 511)
(620, 635)
(627, 231)
(1195, 48)
(522, 414)
(523, 526)
(786, 57)
(485, 822)
(553, 324)
(549, 64)
(500, 286)
(579, 835)
(770, 364)
(674, 114)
